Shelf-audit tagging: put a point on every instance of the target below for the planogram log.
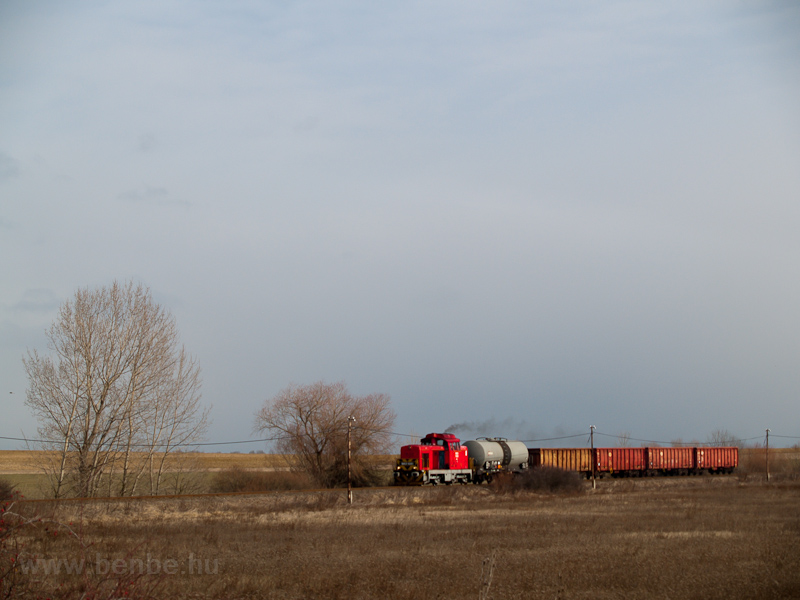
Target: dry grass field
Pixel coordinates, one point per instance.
(23, 469)
(29, 462)
(701, 537)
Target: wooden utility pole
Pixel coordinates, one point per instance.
(350, 421)
(594, 462)
(767, 454)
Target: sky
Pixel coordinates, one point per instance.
(517, 219)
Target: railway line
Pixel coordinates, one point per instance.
(606, 482)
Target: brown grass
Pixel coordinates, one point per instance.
(195, 472)
(21, 461)
(701, 537)
(783, 462)
(30, 461)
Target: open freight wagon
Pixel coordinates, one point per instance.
(638, 462)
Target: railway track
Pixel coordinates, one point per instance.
(655, 482)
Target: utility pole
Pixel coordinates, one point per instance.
(350, 421)
(591, 438)
(767, 454)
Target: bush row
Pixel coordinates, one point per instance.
(237, 479)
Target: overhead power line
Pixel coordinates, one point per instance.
(633, 439)
(179, 445)
(395, 433)
(563, 437)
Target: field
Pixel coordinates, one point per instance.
(701, 537)
(27, 461)
(23, 469)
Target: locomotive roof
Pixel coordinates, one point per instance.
(441, 436)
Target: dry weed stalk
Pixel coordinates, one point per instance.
(25, 574)
(487, 572)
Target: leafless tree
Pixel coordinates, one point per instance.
(310, 425)
(624, 439)
(115, 395)
(722, 437)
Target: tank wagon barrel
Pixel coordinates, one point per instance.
(493, 455)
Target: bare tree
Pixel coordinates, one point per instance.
(310, 425)
(624, 439)
(116, 394)
(722, 437)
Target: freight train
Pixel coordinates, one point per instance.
(442, 458)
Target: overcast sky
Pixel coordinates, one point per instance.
(525, 218)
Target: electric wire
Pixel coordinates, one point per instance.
(399, 434)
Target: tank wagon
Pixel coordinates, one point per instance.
(638, 462)
(490, 456)
(442, 458)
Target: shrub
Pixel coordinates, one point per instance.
(237, 479)
(7, 491)
(549, 479)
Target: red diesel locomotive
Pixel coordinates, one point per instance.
(438, 458)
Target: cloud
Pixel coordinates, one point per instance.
(8, 167)
(151, 195)
(147, 142)
(37, 301)
(566, 214)
(306, 125)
